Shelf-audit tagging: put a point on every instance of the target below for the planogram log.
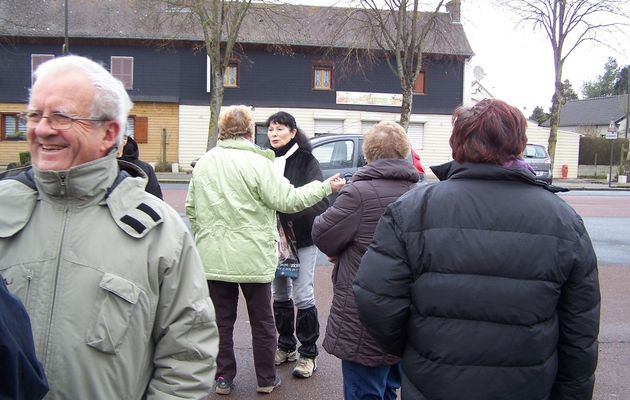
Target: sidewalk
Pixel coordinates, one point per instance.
(572, 184)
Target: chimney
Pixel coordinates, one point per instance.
(454, 8)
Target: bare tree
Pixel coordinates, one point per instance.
(219, 22)
(568, 24)
(398, 31)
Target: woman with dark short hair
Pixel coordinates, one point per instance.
(484, 283)
(295, 161)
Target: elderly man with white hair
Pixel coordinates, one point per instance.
(108, 273)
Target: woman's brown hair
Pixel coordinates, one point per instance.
(490, 132)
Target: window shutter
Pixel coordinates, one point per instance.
(141, 134)
(2, 127)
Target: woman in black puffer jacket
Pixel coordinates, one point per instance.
(295, 160)
(485, 283)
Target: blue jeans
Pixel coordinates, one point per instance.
(300, 290)
(370, 383)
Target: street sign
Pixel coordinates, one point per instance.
(612, 127)
(612, 131)
(611, 135)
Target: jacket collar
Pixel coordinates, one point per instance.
(85, 182)
(455, 170)
(389, 168)
(244, 144)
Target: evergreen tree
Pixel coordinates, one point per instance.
(539, 115)
(603, 85)
(567, 91)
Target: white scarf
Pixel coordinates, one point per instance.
(280, 162)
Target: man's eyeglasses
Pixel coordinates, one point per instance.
(55, 120)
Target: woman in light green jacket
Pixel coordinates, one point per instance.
(232, 201)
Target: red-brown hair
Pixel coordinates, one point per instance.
(490, 132)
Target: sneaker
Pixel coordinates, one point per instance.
(269, 389)
(223, 386)
(285, 356)
(305, 367)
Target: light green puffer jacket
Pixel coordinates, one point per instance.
(232, 201)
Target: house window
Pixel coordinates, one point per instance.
(36, 60)
(122, 69)
(11, 128)
(322, 76)
(418, 87)
(415, 132)
(230, 77)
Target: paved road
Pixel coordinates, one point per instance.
(607, 217)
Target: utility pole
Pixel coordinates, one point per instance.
(66, 47)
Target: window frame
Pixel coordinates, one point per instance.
(322, 66)
(121, 76)
(3, 127)
(236, 64)
(34, 65)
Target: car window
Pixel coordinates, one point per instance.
(532, 151)
(337, 154)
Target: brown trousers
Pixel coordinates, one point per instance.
(224, 295)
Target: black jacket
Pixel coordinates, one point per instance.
(345, 231)
(130, 154)
(21, 375)
(301, 168)
(487, 283)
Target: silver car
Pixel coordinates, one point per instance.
(537, 156)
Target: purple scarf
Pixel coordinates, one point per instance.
(519, 163)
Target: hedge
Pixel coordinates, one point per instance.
(590, 146)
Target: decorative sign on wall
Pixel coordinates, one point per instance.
(370, 99)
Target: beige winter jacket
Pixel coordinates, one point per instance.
(112, 282)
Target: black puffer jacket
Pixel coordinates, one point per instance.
(130, 154)
(345, 230)
(300, 169)
(487, 283)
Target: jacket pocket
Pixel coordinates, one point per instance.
(18, 280)
(118, 299)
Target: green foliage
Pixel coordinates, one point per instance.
(591, 146)
(603, 85)
(25, 158)
(623, 80)
(539, 115)
(567, 92)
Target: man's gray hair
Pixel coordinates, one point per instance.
(111, 100)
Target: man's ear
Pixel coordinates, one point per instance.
(110, 135)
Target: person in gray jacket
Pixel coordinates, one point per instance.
(109, 274)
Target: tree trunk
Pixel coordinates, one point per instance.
(216, 101)
(405, 108)
(554, 119)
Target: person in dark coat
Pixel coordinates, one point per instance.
(343, 233)
(130, 153)
(295, 161)
(22, 376)
(486, 282)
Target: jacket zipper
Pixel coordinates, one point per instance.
(29, 279)
(58, 266)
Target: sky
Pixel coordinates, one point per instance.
(518, 61)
